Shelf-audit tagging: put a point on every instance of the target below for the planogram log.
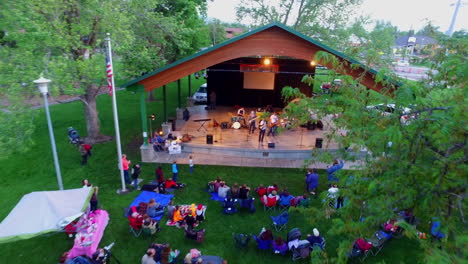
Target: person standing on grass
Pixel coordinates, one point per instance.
(312, 178)
(135, 174)
(331, 171)
(84, 154)
(125, 164)
(94, 199)
(191, 164)
(175, 171)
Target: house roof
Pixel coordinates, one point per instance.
(269, 40)
(420, 40)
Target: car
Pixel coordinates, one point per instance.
(200, 96)
(388, 109)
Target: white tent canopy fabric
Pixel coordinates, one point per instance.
(43, 212)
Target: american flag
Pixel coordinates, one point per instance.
(109, 74)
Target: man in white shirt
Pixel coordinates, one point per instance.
(273, 123)
(223, 190)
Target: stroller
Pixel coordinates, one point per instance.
(73, 136)
(299, 248)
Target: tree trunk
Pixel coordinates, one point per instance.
(93, 127)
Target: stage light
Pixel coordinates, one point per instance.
(267, 61)
(313, 63)
(160, 132)
(152, 117)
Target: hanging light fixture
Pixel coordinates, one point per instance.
(267, 61)
(313, 63)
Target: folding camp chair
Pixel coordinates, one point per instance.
(357, 252)
(280, 221)
(229, 206)
(262, 244)
(135, 228)
(285, 201)
(270, 204)
(241, 240)
(378, 240)
(248, 203)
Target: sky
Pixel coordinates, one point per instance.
(405, 14)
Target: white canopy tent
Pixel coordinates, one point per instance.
(43, 212)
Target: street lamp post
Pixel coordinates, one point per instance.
(43, 85)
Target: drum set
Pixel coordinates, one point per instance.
(237, 122)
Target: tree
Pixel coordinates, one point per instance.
(314, 18)
(418, 163)
(65, 40)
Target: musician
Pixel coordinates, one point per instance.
(241, 111)
(252, 118)
(273, 124)
(262, 125)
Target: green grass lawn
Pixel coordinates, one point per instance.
(34, 171)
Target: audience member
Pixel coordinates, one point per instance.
(148, 258)
(175, 171)
(316, 239)
(135, 174)
(261, 190)
(279, 246)
(177, 217)
(223, 190)
(154, 208)
(312, 178)
(244, 192)
(200, 213)
(331, 171)
(169, 256)
(234, 192)
(150, 224)
(272, 188)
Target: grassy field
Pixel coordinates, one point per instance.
(34, 171)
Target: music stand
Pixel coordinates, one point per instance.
(302, 135)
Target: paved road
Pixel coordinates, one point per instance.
(412, 72)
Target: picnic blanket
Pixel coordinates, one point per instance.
(214, 196)
(184, 209)
(145, 196)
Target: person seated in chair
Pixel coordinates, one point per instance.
(261, 190)
(154, 209)
(192, 233)
(273, 194)
(234, 192)
(264, 239)
(316, 239)
(272, 188)
(279, 246)
(223, 190)
(390, 226)
(150, 224)
(304, 202)
(136, 220)
(244, 192)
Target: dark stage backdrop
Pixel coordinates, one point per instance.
(228, 82)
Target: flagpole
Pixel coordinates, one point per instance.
(116, 119)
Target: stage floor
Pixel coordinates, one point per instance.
(293, 139)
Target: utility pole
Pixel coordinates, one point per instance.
(454, 17)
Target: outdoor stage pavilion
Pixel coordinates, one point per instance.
(249, 71)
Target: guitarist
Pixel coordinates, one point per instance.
(252, 118)
(263, 126)
(273, 123)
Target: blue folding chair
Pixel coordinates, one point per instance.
(262, 244)
(285, 201)
(229, 206)
(248, 203)
(280, 221)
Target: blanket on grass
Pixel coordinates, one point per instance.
(214, 196)
(145, 196)
(184, 209)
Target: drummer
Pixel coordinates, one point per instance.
(240, 114)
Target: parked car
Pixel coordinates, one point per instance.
(388, 109)
(200, 96)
